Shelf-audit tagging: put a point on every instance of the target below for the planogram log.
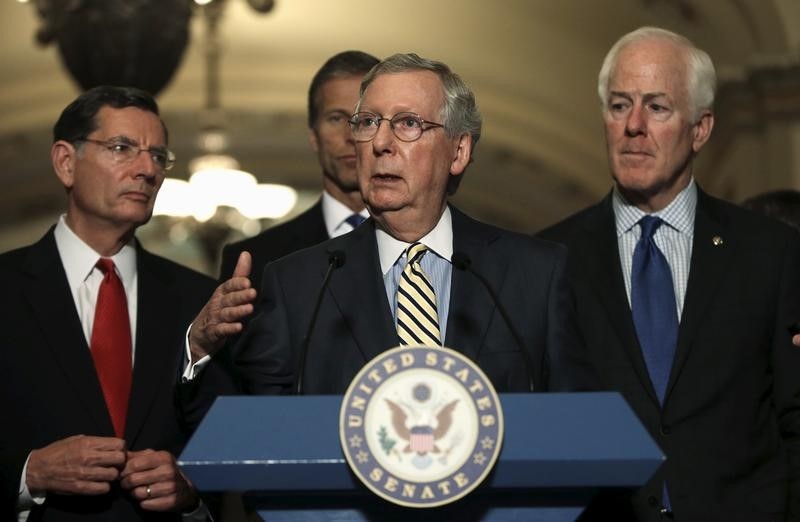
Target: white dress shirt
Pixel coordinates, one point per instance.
(335, 214)
(84, 278)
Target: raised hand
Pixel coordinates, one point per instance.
(221, 317)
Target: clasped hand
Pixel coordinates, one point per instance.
(87, 465)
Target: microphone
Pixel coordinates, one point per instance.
(336, 260)
(462, 262)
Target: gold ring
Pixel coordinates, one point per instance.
(148, 491)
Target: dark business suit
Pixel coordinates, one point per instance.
(49, 388)
(730, 425)
(355, 322)
(305, 230)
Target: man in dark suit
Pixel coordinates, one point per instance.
(705, 360)
(408, 164)
(91, 322)
(331, 97)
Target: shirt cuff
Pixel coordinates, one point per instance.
(191, 371)
(25, 499)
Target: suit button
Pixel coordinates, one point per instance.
(665, 430)
(653, 501)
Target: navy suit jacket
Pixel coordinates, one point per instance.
(49, 388)
(730, 424)
(305, 230)
(355, 322)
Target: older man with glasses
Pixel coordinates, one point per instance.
(411, 274)
(91, 325)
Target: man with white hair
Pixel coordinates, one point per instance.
(684, 300)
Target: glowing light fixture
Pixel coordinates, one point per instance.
(216, 180)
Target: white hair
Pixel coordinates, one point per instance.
(701, 78)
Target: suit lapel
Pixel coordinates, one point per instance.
(372, 327)
(156, 302)
(316, 223)
(471, 307)
(598, 252)
(51, 301)
(710, 261)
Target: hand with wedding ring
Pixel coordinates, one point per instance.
(153, 478)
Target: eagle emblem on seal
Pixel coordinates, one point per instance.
(421, 439)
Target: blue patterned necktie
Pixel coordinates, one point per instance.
(655, 314)
(355, 219)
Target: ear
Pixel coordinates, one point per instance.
(702, 130)
(64, 155)
(462, 155)
(313, 139)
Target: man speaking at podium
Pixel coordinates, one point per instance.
(415, 127)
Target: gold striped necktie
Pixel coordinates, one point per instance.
(417, 319)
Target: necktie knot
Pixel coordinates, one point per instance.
(355, 219)
(415, 252)
(105, 265)
(648, 225)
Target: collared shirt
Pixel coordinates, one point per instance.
(335, 214)
(673, 238)
(84, 278)
(435, 263)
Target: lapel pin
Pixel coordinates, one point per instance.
(717, 240)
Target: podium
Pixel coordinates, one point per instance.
(284, 454)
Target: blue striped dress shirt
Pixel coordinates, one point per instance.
(435, 263)
(674, 238)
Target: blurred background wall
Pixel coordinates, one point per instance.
(232, 78)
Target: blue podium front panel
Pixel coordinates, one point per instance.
(558, 450)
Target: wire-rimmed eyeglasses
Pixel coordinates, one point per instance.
(407, 126)
(126, 152)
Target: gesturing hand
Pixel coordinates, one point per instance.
(221, 316)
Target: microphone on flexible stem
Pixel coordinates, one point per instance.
(336, 260)
(462, 262)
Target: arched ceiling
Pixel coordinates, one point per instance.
(531, 63)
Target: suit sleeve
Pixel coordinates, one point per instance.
(786, 365)
(264, 356)
(569, 366)
(258, 362)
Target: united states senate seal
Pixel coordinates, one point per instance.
(421, 426)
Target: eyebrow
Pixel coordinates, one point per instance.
(646, 96)
(123, 139)
(129, 141)
(337, 111)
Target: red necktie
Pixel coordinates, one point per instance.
(111, 345)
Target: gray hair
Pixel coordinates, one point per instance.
(459, 115)
(701, 77)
